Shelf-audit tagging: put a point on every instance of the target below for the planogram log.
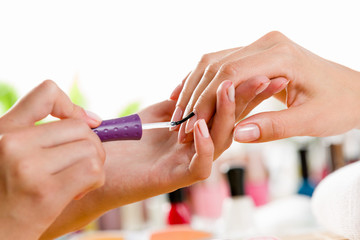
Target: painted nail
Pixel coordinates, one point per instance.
(282, 86)
(174, 95)
(190, 124)
(203, 128)
(262, 87)
(247, 133)
(231, 93)
(176, 117)
(93, 116)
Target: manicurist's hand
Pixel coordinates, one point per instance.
(322, 97)
(44, 167)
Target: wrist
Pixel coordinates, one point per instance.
(14, 230)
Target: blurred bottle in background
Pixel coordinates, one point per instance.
(110, 220)
(179, 210)
(306, 186)
(238, 209)
(256, 176)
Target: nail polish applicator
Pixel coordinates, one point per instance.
(130, 127)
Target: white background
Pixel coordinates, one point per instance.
(140, 50)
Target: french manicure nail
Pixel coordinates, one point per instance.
(282, 86)
(203, 128)
(262, 87)
(174, 94)
(93, 116)
(176, 117)
(231, 93)
(247, 133)
(190, 124)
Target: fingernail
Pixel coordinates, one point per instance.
(203, 128)
(247, 133)
(262, 87)
(231, 93)
(93, 116)
(190, 124)
(282, 86)
(176, 117)
(174, 94)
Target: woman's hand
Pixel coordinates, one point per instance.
(322, 97)
(157, 164)
(43, 168)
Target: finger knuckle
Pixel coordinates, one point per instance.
(95, 167)
(9, 144)
(277, 128)
(206, 59)
(274, 36)
(49, 85)
(202, 175)
(23, 172)
(229, 69)
(212, 68)
(41, 191)
(285, 47)
(81, 125)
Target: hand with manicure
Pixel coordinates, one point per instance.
(322, 97)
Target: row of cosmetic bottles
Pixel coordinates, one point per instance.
(253, 188)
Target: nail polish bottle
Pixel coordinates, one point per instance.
(306, 187)
(256, 177)
(179, 211)
(238, 209)
(336, 156)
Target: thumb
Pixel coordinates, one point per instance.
(45, 99)
(269, 126)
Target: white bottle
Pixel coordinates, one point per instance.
(238, 210)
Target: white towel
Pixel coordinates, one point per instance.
(336, 202)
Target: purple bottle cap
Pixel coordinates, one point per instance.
(124, 128)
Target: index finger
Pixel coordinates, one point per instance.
(45, 99)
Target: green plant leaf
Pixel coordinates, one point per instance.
(131, 108)
(75, 94)
(8, 97)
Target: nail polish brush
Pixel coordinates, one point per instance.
(130, 127)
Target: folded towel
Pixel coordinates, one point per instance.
(336, 202)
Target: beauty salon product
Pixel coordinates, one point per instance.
(110, 220)
(336, 156)
(306, 187)
(179, 211)
(256, 177)
(238, 210)
(132, 216)
(130, 127)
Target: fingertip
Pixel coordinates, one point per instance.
(202, 128)
(191, 122)
(176, 92)
(247, 133)
(177, 115)
(92, 119)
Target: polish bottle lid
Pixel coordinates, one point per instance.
(177, 196)
(236, 177)
(303, 160)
